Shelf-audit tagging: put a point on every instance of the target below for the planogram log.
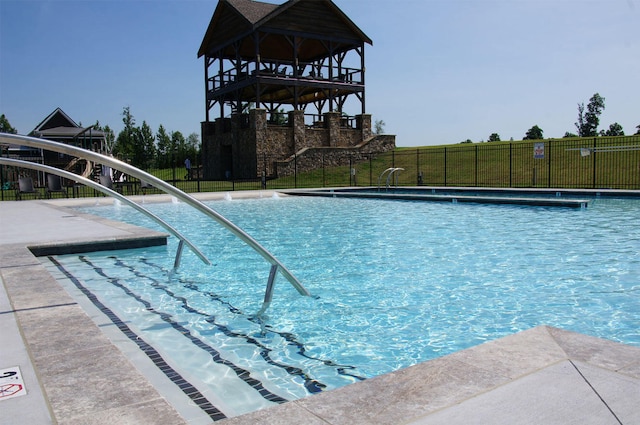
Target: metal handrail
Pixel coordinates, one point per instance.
(391, 174)
(391, 171)
(110, 192)
(381, 175)
(159, 184)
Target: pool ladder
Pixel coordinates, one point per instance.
(392, 171)
(116, 164)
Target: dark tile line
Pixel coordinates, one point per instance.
(37, 308)
(310, 384)
(192, 392)
(287, 336)
(215, 355)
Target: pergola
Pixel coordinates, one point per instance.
(299, 53)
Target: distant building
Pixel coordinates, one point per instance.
(59, 127)
(280, 82)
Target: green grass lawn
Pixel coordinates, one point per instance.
(615, 164)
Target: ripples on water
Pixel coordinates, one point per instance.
(396, 283)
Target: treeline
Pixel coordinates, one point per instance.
(586, 125)
(139, 145)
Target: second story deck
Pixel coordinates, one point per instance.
(298, 53)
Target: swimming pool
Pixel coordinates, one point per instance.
(394, 283)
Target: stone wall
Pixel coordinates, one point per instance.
(246, 146)
(313, 158)
(210, 151)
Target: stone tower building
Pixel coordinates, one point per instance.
(281, 82)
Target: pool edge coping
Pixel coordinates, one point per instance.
(600, 352)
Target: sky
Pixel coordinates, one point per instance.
(438, 72)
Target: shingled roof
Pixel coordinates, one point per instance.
(253, 11)
(235, 19)
(58, 125)
(57, 118)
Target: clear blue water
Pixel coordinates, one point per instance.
(394, 283)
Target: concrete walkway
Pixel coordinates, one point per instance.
(73, 374)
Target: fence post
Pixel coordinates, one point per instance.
(324, 176)
(2, 173)
(295, 170)
(594, 161)
(198, 170)
(264, 170)
(476, 179)
(510, 164)
(419, 174)
(173, 159)
(549, 165)
(352, 172)
(445, 166)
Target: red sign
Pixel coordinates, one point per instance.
(11, 383)
(9, 390)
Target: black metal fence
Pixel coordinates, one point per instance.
(595, 163)
(582, 163)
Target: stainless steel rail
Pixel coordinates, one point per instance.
(394, 171)
(382, 175)
(106, 190)
(391, 171)
(159, 184)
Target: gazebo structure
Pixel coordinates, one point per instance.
(59, 127)
(280, 81)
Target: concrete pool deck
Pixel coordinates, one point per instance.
(73, 374)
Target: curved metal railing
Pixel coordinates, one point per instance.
(162, 185)
(110, 192)
(391, 171)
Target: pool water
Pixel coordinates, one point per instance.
(393, 283)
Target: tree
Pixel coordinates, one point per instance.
(5, 126)
(109, 136)
(126, 138)
(467, 141)
(615, 129)
(495, 137)
(193, 146)
(178, 148)
(134, 144)
(534, 133)
(145, 151)
(588, 121)
(638, 127)
(378, 127)
(163, 159)
(568, 134)
(279, 117)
